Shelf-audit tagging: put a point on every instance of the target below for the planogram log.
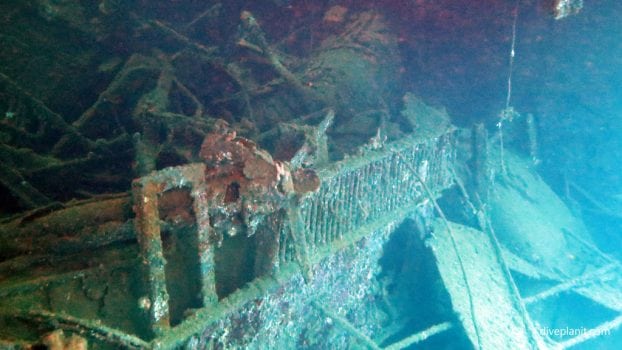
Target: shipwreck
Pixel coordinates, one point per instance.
(218, 191)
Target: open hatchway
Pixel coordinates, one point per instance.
(414, 296)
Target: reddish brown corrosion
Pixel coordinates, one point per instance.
(236, 167)
(244, 182)
(176, 206)
(305, 180)
(234, 162)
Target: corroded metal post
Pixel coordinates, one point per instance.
(148, 235)
(147, 192)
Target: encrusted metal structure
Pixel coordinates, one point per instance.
(358, 203)
(242, 251)
(304, 275)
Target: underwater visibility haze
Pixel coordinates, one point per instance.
(311, 174)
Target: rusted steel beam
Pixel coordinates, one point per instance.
(148, 193)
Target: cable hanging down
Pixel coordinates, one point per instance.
(512, 54)
(508, 112)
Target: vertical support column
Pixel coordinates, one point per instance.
(146, 191)
(205, 248)
(148, 234)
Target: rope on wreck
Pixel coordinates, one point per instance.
(452, 237)
(483, 221)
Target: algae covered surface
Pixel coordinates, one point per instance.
(310, 174)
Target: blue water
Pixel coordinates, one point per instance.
(452, 54)
(568, 74)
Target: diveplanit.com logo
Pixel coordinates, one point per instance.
(572, 332)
